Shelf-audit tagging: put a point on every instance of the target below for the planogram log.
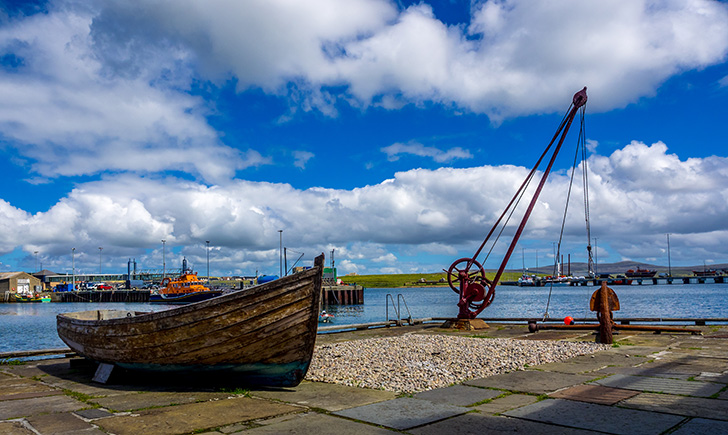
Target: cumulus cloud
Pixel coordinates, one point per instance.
(638, 193)
(89, 87)
(514, 57)
(62, 109)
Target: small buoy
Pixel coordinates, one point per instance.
(568, 320)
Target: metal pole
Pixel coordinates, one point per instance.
(596, 257)
(208, 260)
(280, 252)
(100, 249)
(164, 259)
(36, 262)
(669, 266)
(73, 268)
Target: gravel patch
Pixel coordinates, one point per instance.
(416, 362)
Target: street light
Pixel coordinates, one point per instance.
(73, 268)
(596, 257)
(100, 249)
(36, 261)
(164, 259)
(280, 252)
(208, 259)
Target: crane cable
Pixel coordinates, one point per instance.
(580, 147)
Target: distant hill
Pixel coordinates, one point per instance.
(579, 269)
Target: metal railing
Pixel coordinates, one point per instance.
(397, 309)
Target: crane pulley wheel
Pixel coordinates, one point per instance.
(466, 267)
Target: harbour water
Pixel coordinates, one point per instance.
(29, 326)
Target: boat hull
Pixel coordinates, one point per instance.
(185, 298)
(266, 333)
(21, 298)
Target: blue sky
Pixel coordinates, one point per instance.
(392, 132)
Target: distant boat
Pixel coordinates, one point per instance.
(705, 272)
(184, 289)
(526, 281)
(265, 333)
(640, 273)
(27, 297)
(325, 317)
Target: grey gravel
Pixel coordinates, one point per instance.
(416, 362)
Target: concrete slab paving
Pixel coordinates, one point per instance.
(590, 416)
(93, 414)
(503, 404)
(12, 386)
(531, 381)
(403, 413)
(655, 372)
(702, 426)
(331, 397)
(661, 385)
(320, 424)
(134, 401)
(22, 408)
(184, 419)
(19, 396)
(14, 428)
(86, 387)
(679, 405)
(589, 363)
(458, 395)
(594, 394)
(713, 377)
(60, 423)
(478, 424)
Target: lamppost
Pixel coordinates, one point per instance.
(36, 261)
(596, 258)
(669, 266)
(280, 252)
(208, 259)
(164, 259)
(100, 249)
(73, 268)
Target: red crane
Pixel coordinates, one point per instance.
(466, 276)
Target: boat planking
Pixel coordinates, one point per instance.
(265, 334)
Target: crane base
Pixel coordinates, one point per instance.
(465, 324)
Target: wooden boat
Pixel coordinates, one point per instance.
(265, 333)
(184, 289)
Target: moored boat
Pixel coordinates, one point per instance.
(184, 289)
(705, 272)
(640, 273)
(265, 333)
(526, 281)
(325, 317)
(27, 297)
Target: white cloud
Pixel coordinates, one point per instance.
(301, 158)
(389, 259)
(64, 110)
(638, 194)
(394, 151)
(515, 57)
(107, 86)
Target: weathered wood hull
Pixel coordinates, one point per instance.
(185, 298)
(266, 333)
